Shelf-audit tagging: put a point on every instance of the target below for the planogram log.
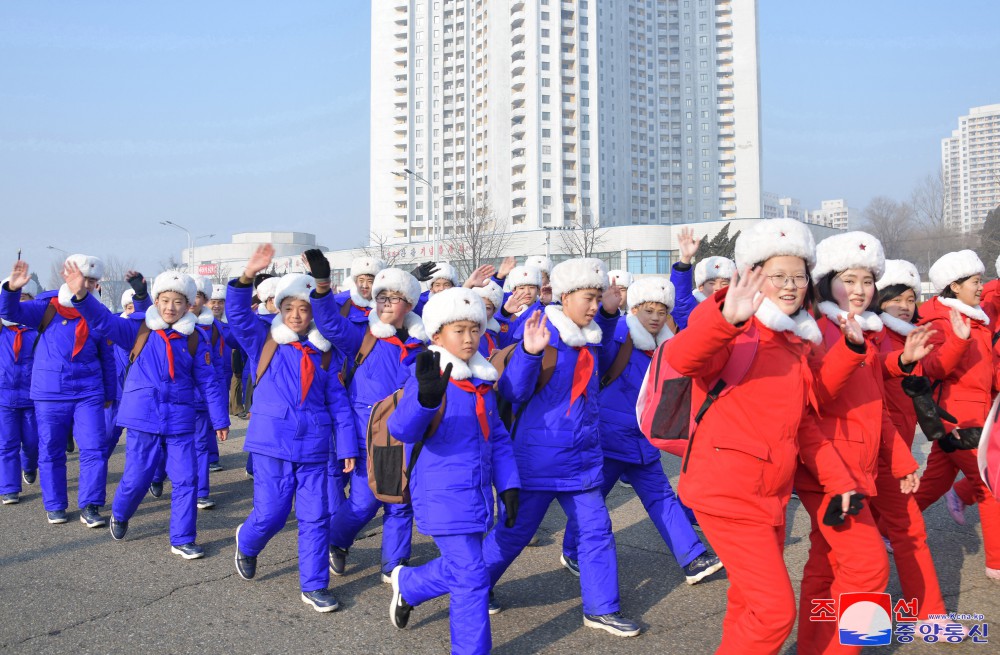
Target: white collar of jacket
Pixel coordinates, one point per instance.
(66, 296)
(477, 367)
(572, 334)
(643, 338)
(282, 334)
(698, 295)
(262, 310)
(492, 325)
(869, 321)
(155, 322)
(206, 317)
(975, 313)
(359, 300)
(900, 327)
(413, 325)
(802, 325)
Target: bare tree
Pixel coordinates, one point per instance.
(481, 237)
(172, 264)
(927, 201)
(584, 238)
(113, 283)
(379, 247)
(222, 274)
(890, 222)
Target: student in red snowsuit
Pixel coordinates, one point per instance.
(737, 475)
(966, 390)
(850, 557)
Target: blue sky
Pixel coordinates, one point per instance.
(232, 116)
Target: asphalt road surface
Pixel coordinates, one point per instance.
(67, 589)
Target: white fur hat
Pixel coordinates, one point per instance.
(522, 276)
(266, 289)
(218, 292)
(491, 292)
(775, 237)
(452, 305)
(997, 266)
(445, 271)
(366, 266)
(32, 288)
(651, 289)
(899, 271)
(127, 296)
(580, 273)
(91, 267)
(293, 285)
(955, 266)
(713, 268)
(620, 278)
(849, 250)
(394, 279)
(203, 284)
(175, 281)
(541, 262)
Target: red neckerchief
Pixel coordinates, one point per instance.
(82, 330)
(18, 331)
(167, 338)
(306, 367)
(491, 344)
(582, 373)
(404, 348)
(480, 392)
(363, 310)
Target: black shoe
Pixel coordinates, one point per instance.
(90, 517)
(338, 560)
(206, 503)
(29, 476)
(322, 600)
(188, 551)
(495, 606)
(614, 623)
(399, 610)
(702, 567)
(10, 499)
(118, 528)
(246, 566)
(214, 467)
(155, 489)
(70, 444)
(572, 565)
(56, 516)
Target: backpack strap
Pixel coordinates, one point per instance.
(431, 429)
(192, 343)
(549, 357)
(216, 335)
(266, 355)
(50, 313)
(345, 309)
(621, 361)
(367, 345)
(140, 342)
(325, 359)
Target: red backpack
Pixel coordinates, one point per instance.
(664, 405)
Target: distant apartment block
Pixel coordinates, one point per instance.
(970, 163)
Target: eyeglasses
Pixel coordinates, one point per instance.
(780, 281)
(389, 300)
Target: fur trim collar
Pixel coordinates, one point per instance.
(699, 296)
(571, 333)
(802, 325)
(155, 322)
(413, 325)
(975, 313)
(642, 338)
(869, 321)
(492, 325)
(262, 309)
(282, 334)
(477, 367)
(902, 328)
(359, 300)
(206, 317)
(7, 323)
(66, 296)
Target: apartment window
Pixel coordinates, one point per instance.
(545, 81)
(546, 167)
(546, 133)
(546, 184)
(545, 100)
(546, 115)
(546, 150)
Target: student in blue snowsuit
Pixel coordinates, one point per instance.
(222, 346)
(496, 334)
(121, 363)
(443, 277)
(291, 429)
(266, 311)
(458, 465)
(158, 403)
(72, 380)
(556, 441)
(626, 450)
(398, 337)
(18, 429)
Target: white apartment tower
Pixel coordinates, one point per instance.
(970, 163)
(832, 213)
(560, 111)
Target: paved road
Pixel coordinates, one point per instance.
(69, 589)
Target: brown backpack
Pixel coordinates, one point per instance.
(499, 359)
(621, 361)
(348, 370)
(388, 470)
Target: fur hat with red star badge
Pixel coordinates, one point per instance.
(849, 250)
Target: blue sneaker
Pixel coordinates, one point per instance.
(118, 528)
(571, 565)
(614, 623)
(10, 499)
(338, 560)
(91, 518)
(322, 600)
(246, 566)
(155, 489)
(214, 467)
(702, 567)
(188, 551)
(29, 476)
(56, 516)
(206, 503)
(495, 606)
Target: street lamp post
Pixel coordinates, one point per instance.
(433, 224)
(189, 239)
(65, 252)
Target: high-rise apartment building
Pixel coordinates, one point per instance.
(560, 111)
(970, 163)
(832, 213)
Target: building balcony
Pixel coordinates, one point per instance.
(517, 130)
(727, 157)
(569, 122)
(724, 44)
(728, 207)
(727, 119)
(726, 20)
(725, 106)
(727, 169)
(724, 70)
(569, 207)
(727, 144)
(727, 131)
(725, 94)
(518, 112)
(728, 195)
(400, 111)
(724, 34)
(517, 18)
(401, 5)
(401, 85)
(518, 162)
(727, 181)
(724, 81)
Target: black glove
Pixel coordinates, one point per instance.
(431, 380)
(833, 515)
(929, 414)
(319, 265)
(425, 271)
(138, 284)
(511, 500)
